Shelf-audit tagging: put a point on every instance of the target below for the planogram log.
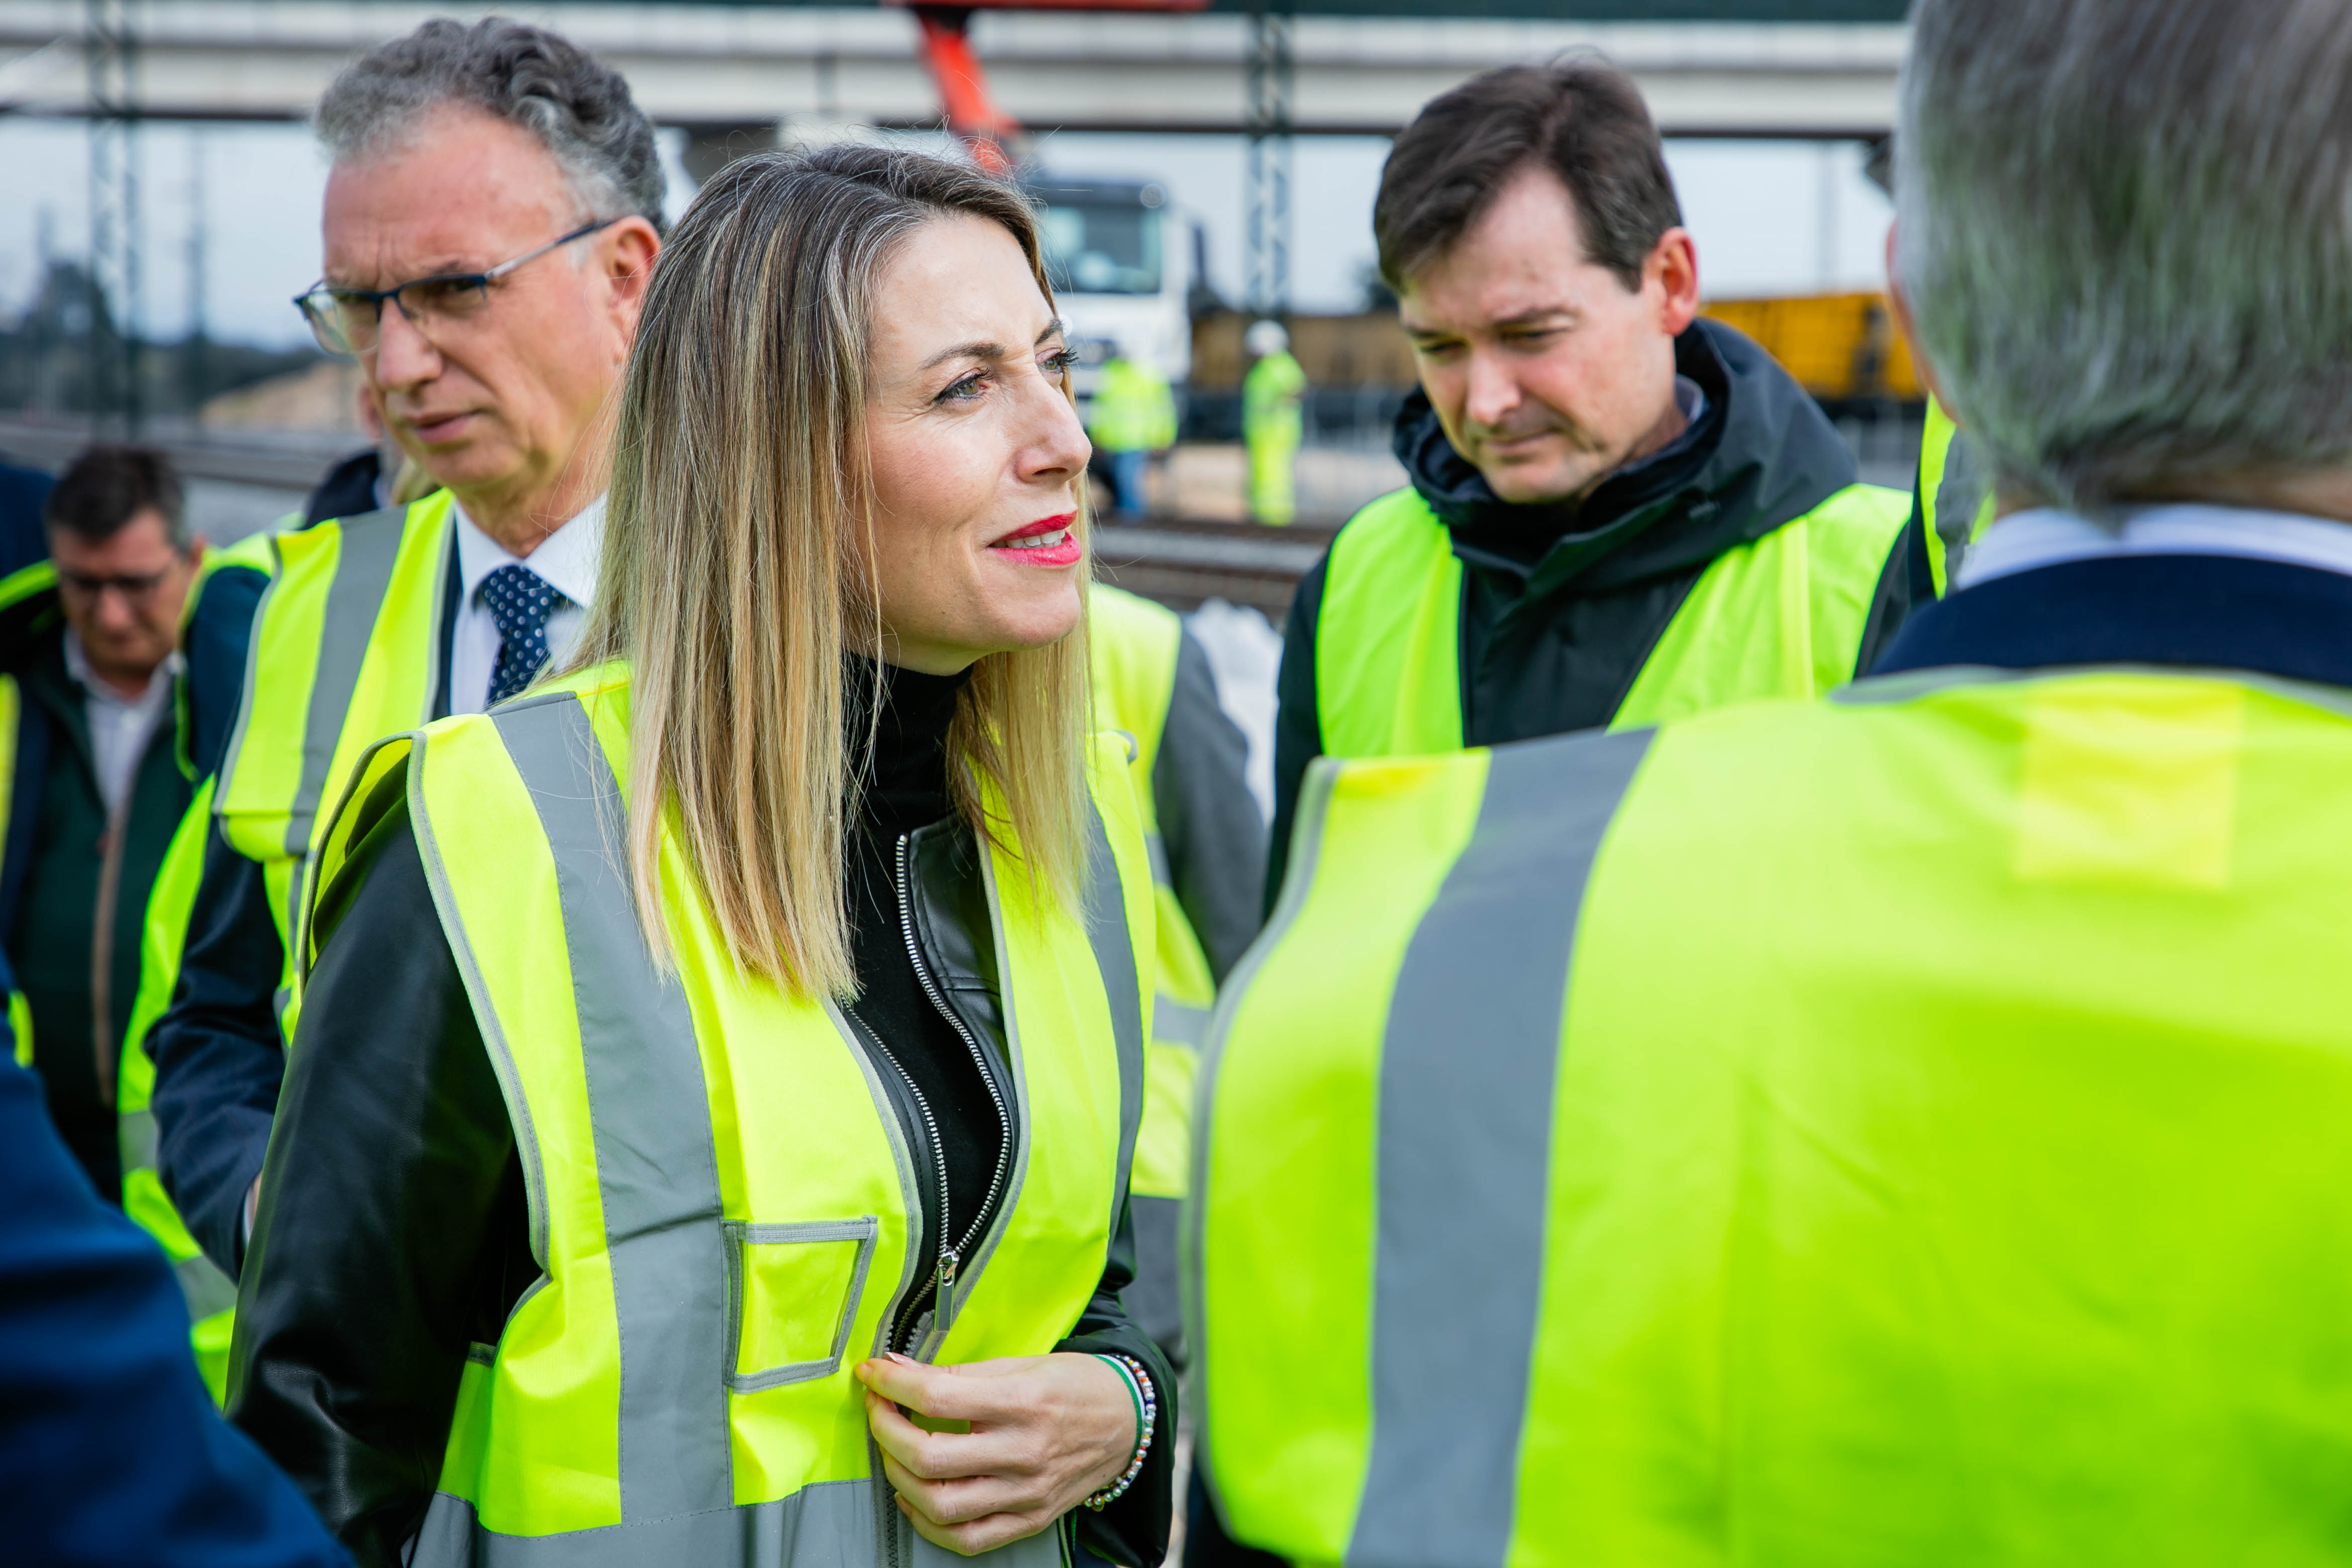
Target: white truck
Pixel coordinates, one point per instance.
(1122, 262)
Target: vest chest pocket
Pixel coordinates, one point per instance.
(792, 1295)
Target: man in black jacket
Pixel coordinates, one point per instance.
(1618, 511)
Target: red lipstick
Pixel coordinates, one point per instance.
(1048, 541)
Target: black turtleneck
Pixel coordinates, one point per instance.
(904, 787)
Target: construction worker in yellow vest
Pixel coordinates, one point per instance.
(1131, 420)
(1274, 421)
(1153, 681)
(1618, 512)
(649, 1167)
(1907, 1127)
(508, 149)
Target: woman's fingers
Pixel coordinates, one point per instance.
(957, 1499)
(1046, 1432)
(939, 1456)
(992, 1392)
(978, 1535)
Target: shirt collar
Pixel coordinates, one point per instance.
(566, 559)
(2046, 537)
(159, 681)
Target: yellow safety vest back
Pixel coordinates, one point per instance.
(1134, 644)
(1783, 615)
(1900, 1129)
(719, 1193)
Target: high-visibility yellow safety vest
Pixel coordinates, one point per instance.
(41, 577)
(1134, 644)
(1780, 616)
(1901, 1129)
(348, 602)
(211, 1294)
(1133, 409)
(347, 648)
(1956, 498)
(719, 1193)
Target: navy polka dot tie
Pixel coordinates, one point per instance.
(520, 601)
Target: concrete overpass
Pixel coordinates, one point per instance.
(706, 67)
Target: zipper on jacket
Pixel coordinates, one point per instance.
(953, 1250)
(902, 1331)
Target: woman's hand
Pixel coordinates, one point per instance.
(1047, 1432)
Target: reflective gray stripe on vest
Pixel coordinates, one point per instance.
(137, 1141)
(371, 544)
(204, 1287)
(651, 1114)
(1465, 1108)
(202, 1284)
(1178, 1023)
(1122, 987)
(829, 1525)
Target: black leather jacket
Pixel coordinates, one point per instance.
(393, 1231)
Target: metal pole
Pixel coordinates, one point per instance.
(109, 52)
(1269, 83)
(196, 370)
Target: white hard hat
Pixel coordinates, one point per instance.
(1265, 338)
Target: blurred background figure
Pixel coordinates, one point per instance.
(1132, 421)
(85, 666)
(1272, 424)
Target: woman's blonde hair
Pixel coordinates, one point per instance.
(739, 564)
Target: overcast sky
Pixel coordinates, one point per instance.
(1771, 217)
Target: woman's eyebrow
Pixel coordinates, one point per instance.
(990, 352)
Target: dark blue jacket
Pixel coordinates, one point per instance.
(110, 1451)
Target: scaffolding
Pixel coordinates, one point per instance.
(1268, 81)
(110, 51)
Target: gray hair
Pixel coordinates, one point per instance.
(577, 108)
(2124, 231)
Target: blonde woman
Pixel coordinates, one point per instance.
(708, 1130)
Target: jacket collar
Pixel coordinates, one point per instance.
(1760, 453)
(2201, 611)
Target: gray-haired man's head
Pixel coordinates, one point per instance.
(2124, 235)
(490, 220)
(576, 106)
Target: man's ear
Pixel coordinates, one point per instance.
(1899, 304)
(629, 252)
(1674, 263)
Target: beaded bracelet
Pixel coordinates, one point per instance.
(1146, 1418)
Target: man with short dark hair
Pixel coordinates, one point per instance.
(1618, 512)
(93, 792)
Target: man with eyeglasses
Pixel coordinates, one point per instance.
(493, 209)
(90, 792)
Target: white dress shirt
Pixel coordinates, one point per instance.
(2046, 537)
(566, 558)
(120, 727)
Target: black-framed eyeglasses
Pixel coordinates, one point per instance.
(349, 322)
(137, 588)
